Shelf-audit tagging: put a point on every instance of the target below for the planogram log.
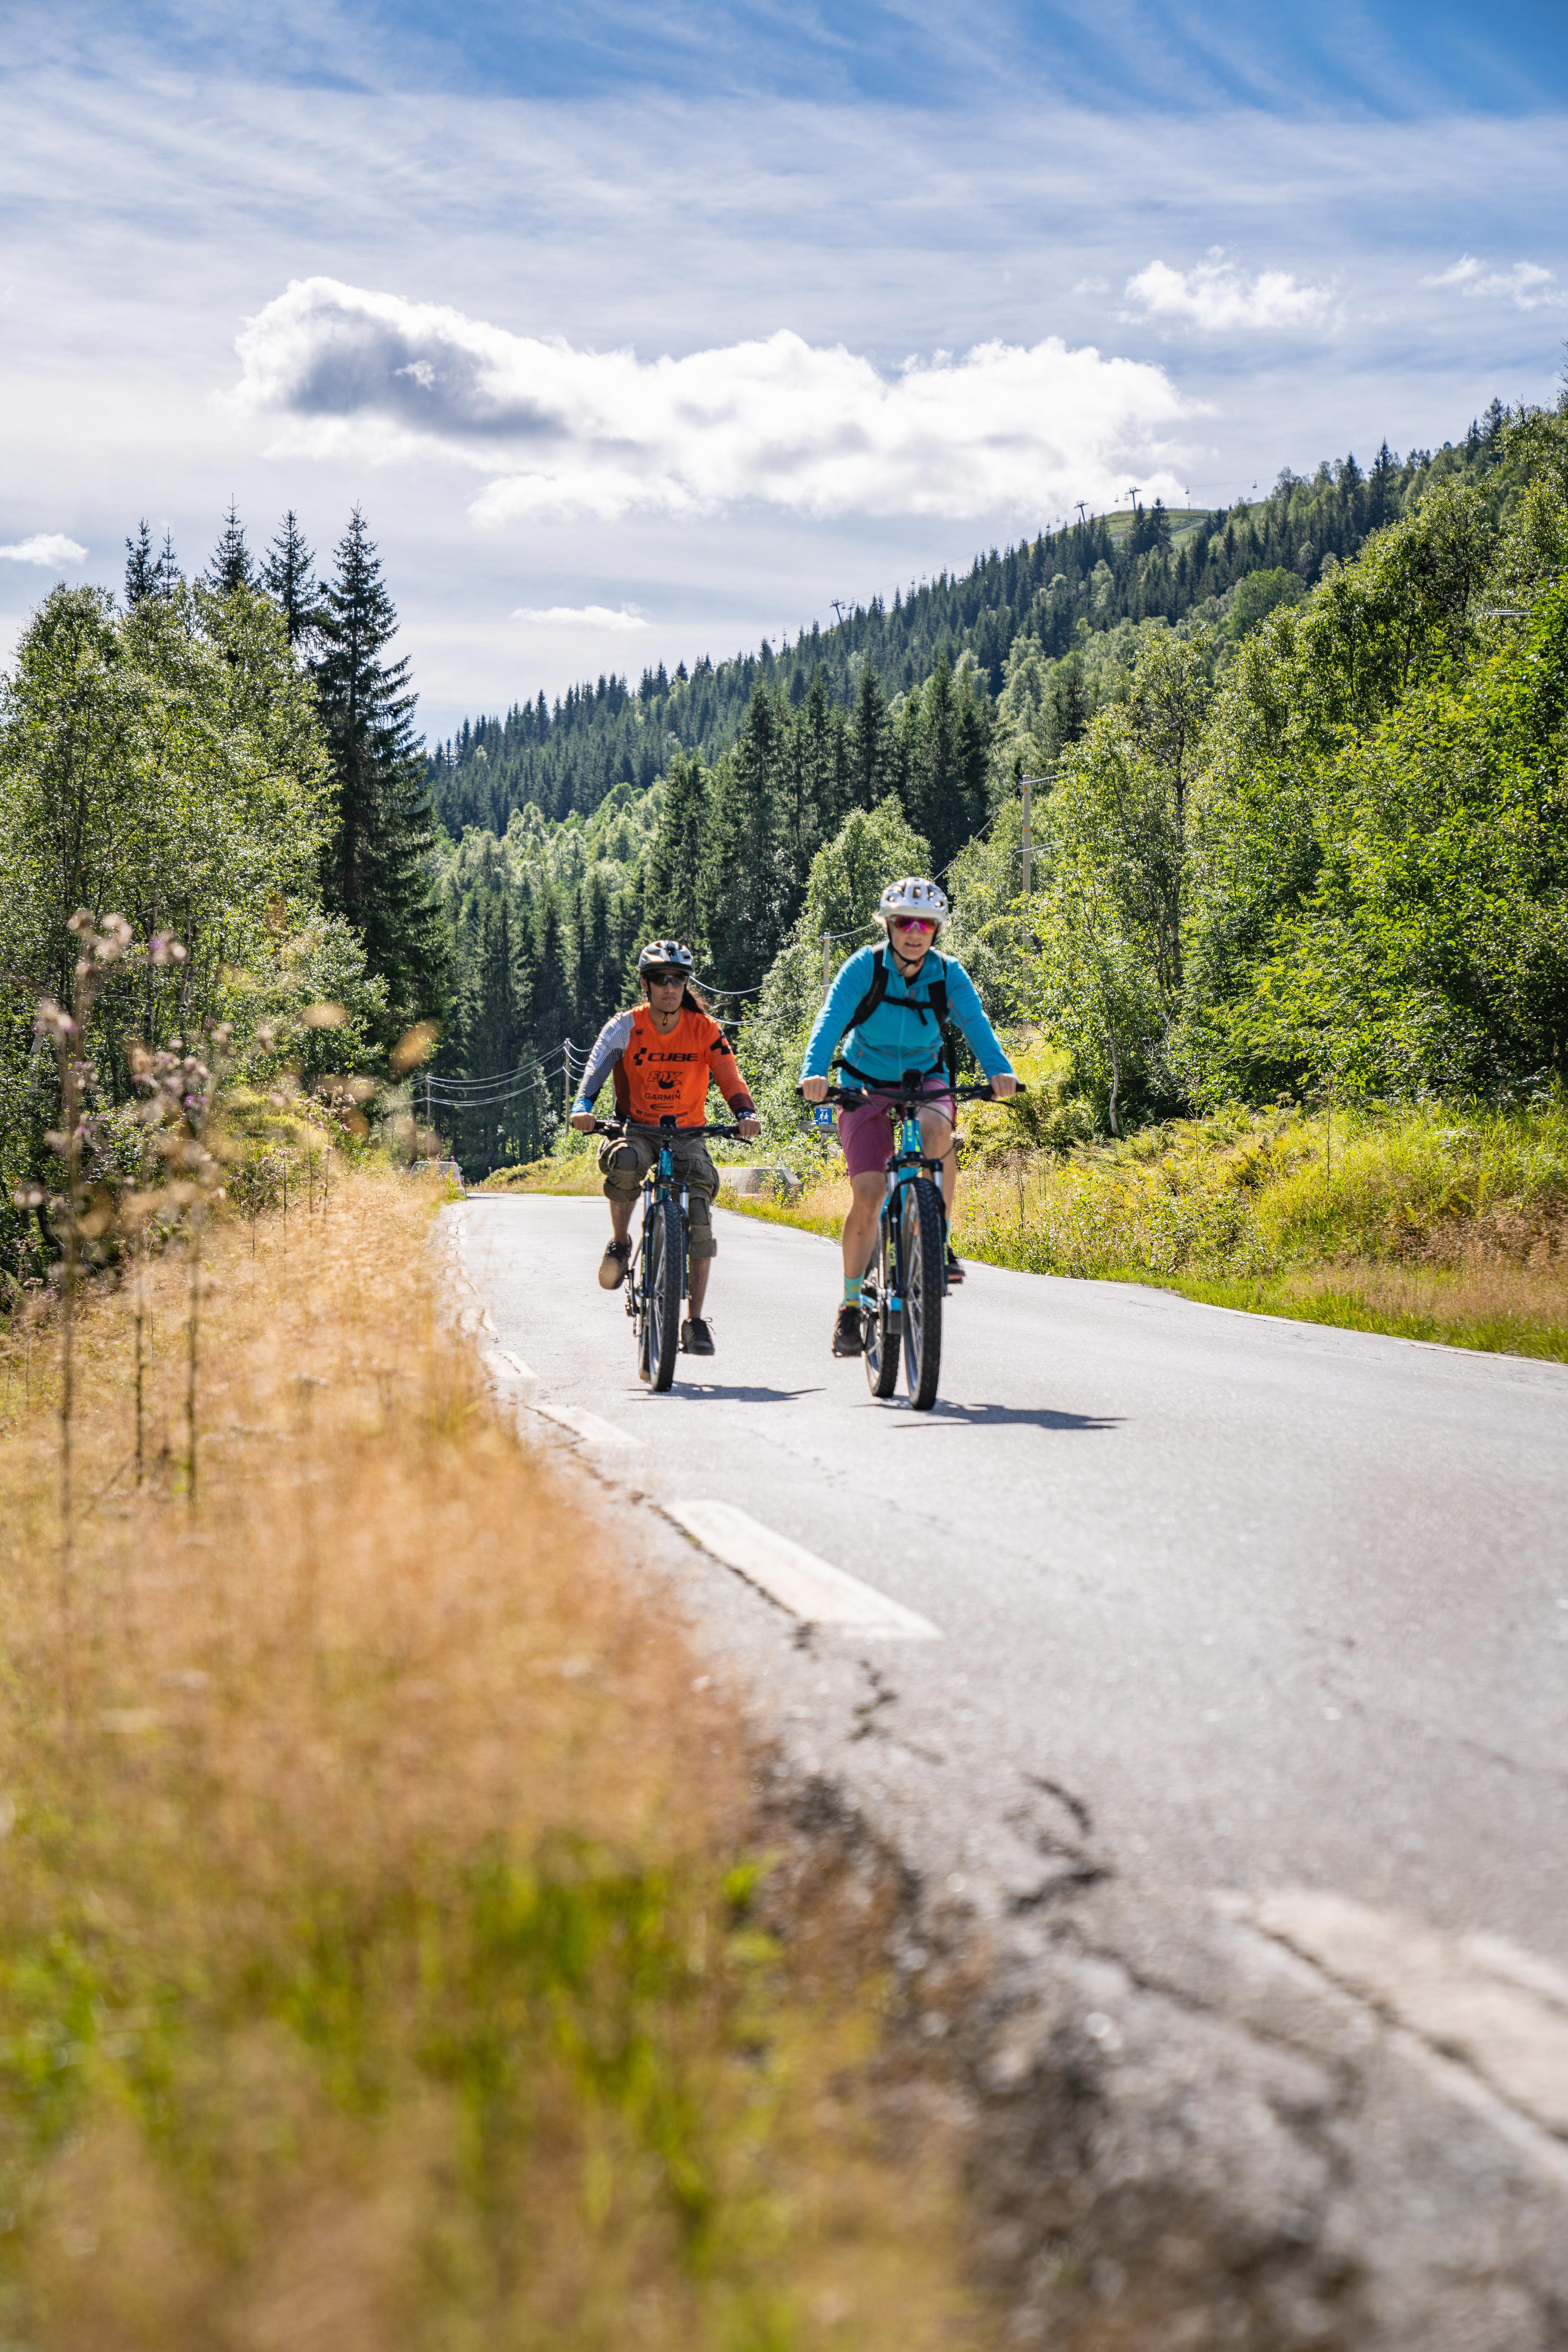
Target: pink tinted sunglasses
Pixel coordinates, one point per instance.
(912, 923)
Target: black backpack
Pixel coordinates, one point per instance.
(935, 1002)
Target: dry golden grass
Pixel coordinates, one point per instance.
(379, 1964)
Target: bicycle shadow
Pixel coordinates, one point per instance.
(689, 1387)
(1004, 1416)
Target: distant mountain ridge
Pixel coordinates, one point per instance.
(1102, 571)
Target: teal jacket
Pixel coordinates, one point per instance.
(902, 1034)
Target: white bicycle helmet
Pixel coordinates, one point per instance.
(915, 896)
(666, 955)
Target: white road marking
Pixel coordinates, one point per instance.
(1503, 2011)
(513, 1364)
(807, 1586)
(584, 1424)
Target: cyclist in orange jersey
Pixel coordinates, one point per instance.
(663, 1056)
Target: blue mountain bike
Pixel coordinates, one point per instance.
(905, 1285)
(656, 1277)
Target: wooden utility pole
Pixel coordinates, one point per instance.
(1025, 845)
(826, 961)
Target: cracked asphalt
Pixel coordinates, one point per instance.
(1224, 1599)
(1244, 1753)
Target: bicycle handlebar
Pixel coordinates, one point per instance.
(910, 1095)
(618, 1127)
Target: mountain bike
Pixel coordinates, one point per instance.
(656, 1277)
(904, 1287)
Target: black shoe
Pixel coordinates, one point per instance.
(614, 1264)
(847, 1339)
(953, 1270)
(696, 1339)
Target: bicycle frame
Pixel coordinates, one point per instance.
(661, 1188)
(904, 1288)
(909, 1161)
(660, 1185)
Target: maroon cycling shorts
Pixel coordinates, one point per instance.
(867, 1134)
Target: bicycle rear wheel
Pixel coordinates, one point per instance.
(878, 1328)
(924, 1251)
(661, 1293)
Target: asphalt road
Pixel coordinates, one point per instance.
(1270, 1602)
(1208, 1675)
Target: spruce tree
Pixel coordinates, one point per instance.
(872, 768)
(811, 779)
(596, 977)
(141, 567)
(166, 571)
(287, 575)
(739, 897)
(231, 566)
(671, 895)
(376, 869)
(551, 1009)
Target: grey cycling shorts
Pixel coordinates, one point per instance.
(625, 1160)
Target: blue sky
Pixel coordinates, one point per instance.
(642, 331)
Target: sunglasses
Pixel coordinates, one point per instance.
(912, 923)
(666, 980)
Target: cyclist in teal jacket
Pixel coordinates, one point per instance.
(900, 990)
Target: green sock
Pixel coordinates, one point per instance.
(852, 1290)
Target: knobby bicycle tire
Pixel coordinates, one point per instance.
(661, 1302)
(879, 1332)
(924, 1254)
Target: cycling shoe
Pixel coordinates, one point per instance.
(614, 1264)
(847, 1339)
(696, 1338)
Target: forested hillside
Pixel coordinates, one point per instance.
(1297, 806)
(739, 778)
(1102, 571)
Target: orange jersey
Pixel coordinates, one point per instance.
(658, 1077)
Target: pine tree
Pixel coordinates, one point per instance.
(287, 575)
(739, 897)
(231, 566)
(551, 1006)
(933, 744)
(672, 893)
(377, 861)
(166, 571)
(596, 977)
(810, 779)
(1381, 495)
(141, 567)
(872, 766)
(1069, 705)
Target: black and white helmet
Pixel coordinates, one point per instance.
(913, 896)
(666, 955)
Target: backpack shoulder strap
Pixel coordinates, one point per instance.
(875, 994)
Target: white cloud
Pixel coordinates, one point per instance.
(582, 616)
(48, 547)
(1092, 286)
(1215, 295)
(812, 429)
(1527, 285)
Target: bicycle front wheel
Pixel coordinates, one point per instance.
(879, 1326)
(924, 1254)
(661, 1293)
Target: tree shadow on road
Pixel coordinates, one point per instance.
(1002, 1416)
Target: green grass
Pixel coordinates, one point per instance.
(1428, 1223)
